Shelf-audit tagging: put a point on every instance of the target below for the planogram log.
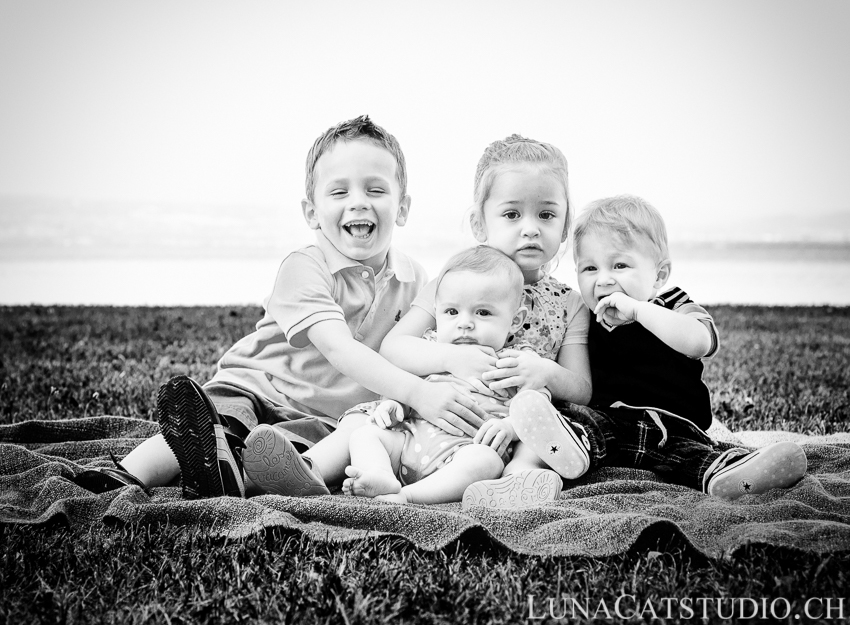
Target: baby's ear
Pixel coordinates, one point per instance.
(519, 319)
(403, 211)
(309, 211)
(662, 273)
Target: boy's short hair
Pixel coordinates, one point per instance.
(486, 260)
(358, 128)
(512, 151)
(628, 217)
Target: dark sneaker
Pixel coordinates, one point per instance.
(103, 479)
(520, 490)
(558, 442)
(207, 451)
(779, 465)
(273, 464)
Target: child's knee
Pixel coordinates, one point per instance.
(486, 463)
(364, 432)
(352, 421)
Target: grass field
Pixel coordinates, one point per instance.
(783, 368)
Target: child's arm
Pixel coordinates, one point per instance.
(404, 347)
(442, 404)
(568, 378)
(496, 433)
(684, 333)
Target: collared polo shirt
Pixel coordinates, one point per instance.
(314, 284)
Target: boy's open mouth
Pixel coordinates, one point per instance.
(359, 229)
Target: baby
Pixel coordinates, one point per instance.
(404, 459)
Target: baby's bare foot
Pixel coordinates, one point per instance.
(369, 483)
(393, 498)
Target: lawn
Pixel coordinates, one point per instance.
(783, 368)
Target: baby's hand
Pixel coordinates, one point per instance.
(497, 434)
(387, 414)
(471, 361)
(616, 309)
(522, 369)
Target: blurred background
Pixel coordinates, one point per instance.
(152, 153)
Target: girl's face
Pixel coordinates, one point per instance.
(524, 217)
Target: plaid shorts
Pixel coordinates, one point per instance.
(670, 446)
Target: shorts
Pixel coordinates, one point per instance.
(250, 410)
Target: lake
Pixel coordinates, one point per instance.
(712, 273)
(136, 253)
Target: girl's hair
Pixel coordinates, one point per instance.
(629, 218)
(485, 260)
(359, 128)
(510, 152)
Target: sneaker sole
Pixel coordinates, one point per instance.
(273, 464)
(520, 490)
(547, 432)
(190, 431)
(779, 465)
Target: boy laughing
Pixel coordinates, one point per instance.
(314, 352)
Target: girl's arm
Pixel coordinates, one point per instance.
(572, 382)
(567, 378)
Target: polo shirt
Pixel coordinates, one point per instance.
(318, 283)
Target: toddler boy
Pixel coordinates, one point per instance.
(314, 352)
(650, 407)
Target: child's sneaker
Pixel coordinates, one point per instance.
(273, 464)
(779, 465)
(207, 451)
(520, 490)
(559, 442)
(104, 479)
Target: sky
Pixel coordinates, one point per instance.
(730, 117)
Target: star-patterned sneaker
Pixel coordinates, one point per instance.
(520, 490)
(559, 442)
(779, 465)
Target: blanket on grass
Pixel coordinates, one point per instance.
(602, 514)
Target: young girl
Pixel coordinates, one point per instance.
(521, 207)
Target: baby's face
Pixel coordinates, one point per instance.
(357, 201)
(474, 309)
(605, 265)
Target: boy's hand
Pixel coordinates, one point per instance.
(616, 309)
(522, 369)
(387, 414)
(449, 408)
(470, 361)
(497, 434)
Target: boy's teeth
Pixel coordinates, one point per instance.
(359, 229)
